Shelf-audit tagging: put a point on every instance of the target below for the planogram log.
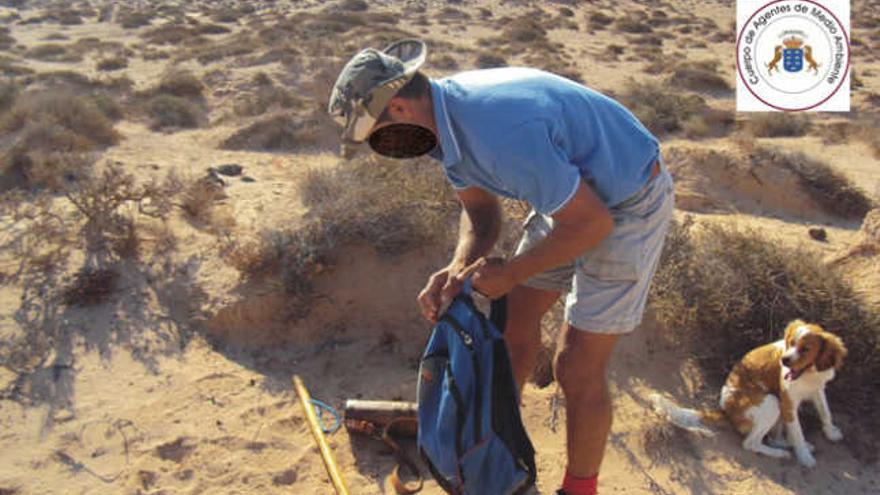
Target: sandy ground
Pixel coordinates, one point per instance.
(181, 383)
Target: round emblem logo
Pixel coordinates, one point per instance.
(793, 55)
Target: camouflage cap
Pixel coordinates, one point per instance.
(368, 81)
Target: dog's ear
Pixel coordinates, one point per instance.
(833, 353)
(789, 331)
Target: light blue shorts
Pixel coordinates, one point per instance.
(607, 286)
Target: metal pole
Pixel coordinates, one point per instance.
(326, 453)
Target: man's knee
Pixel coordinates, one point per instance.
(577, 375)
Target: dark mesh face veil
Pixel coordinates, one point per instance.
(402, 140)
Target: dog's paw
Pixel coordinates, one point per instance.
(778, 442)
(805, 458)
(833, 433)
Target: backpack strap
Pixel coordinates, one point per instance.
(498, 313)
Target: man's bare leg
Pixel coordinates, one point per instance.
(525, 308)
(580, 366)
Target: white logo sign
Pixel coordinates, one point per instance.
(792, 55)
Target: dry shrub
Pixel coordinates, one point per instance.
(212, 29)
(53, 52)
(173, 112)
(833, 191)
(6, 39)
(199, 199)
(778, 124)
(8, 93)
(266, 96)
(10, 67)
(488, 60)
(661, 109)
(699, 76)
(171, 34)
(106, 202)
(73, 113)
(724, 291)
(206, 53)
(130, 18)
(391, 205)
(180, 83)
(281, 133)
(115, 62)
(712, 122)
(50, 132)
(633, 22)
(598, 21)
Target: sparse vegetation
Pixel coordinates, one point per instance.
(725, 291)
(699, 76)
(390, 205)
(828, 187)
(778, 124)
(50, 131)
(277, 133)
(52, 52)
(180, 83)
(173, 112)
(660, 109)
(488, 60)
(115, 62)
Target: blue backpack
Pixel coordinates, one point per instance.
(470, 433)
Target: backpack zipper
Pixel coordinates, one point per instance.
(469, 343)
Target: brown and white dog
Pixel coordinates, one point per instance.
(763, 392)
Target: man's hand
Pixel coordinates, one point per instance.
(443, 286)
(490, 277)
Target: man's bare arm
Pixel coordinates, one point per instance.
(579, 226)
(479, 227)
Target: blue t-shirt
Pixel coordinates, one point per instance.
(531, 135)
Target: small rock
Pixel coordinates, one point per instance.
(63, 415)
(229, 169)
(818, 234)
(248, 178)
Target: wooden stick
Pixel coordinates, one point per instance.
(326, 453)
(403, 415)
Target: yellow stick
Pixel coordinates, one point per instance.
(326, 453)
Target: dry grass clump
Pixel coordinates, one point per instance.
(266, 96)
(391, 205)
(725, 291)
(599, 20)
(10, 67)
(230, 46)
(778, 124)
(489, 60)
(6, 39)
(661, 109)
(181, 83)
(177, 102)
(633, 22)
(282, 132)
(173, 112)
(48, 131)
(133, 18)
(172, 34)
(115, 62)
(53, 52)
(699, 76)
(835, 193)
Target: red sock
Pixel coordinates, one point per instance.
(572, 485)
